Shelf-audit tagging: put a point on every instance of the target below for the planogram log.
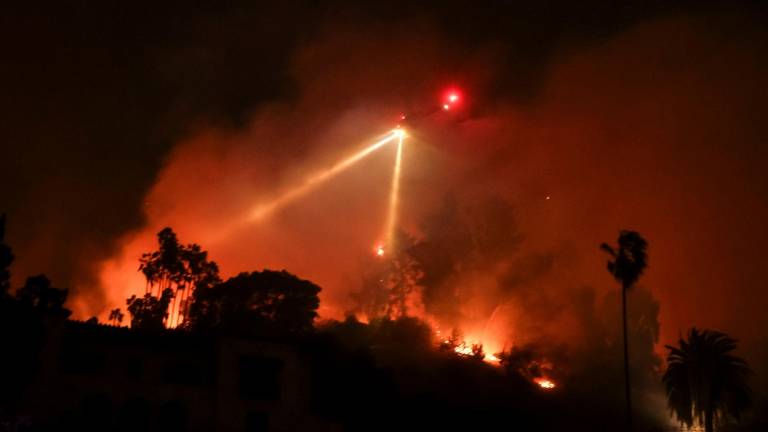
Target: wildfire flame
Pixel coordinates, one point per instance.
(463, 349)
(545, 383)
(471, 349)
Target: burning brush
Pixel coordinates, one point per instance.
(525, 363)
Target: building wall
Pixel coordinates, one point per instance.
(97, 377)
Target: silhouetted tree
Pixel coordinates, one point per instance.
(163, 268)
(477, 351)
(116, 316)
(255, 302)
(457, 239)
(525, 362)
(6, 258)
(627, 263)
(390, 281)
(704, 381)
(149, 312)
(441, 253)
(402, 278)
(456, 345)
(38, 294)
(199, 274)
(23, 319)
(373, 298)
(179, 268)
(453, 341)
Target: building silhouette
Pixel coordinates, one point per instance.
(100, 377)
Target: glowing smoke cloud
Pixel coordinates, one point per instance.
(261, 211)
(315, 180)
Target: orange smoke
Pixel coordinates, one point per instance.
(579, 162)
(207, 198)
(315, 180)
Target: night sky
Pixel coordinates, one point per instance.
(585, 117)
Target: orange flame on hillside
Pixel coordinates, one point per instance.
(467, 347)
(545, 383)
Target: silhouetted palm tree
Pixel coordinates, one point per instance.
(627, 263)
(704, 381)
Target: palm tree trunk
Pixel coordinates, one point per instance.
(627, 391)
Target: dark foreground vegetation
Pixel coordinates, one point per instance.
(248, 354)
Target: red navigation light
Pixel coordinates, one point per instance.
(451, 99)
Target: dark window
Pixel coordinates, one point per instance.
(260, 378)
(256, 421)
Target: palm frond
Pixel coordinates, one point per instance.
(704, 377)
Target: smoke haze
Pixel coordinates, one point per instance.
(655, 125)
